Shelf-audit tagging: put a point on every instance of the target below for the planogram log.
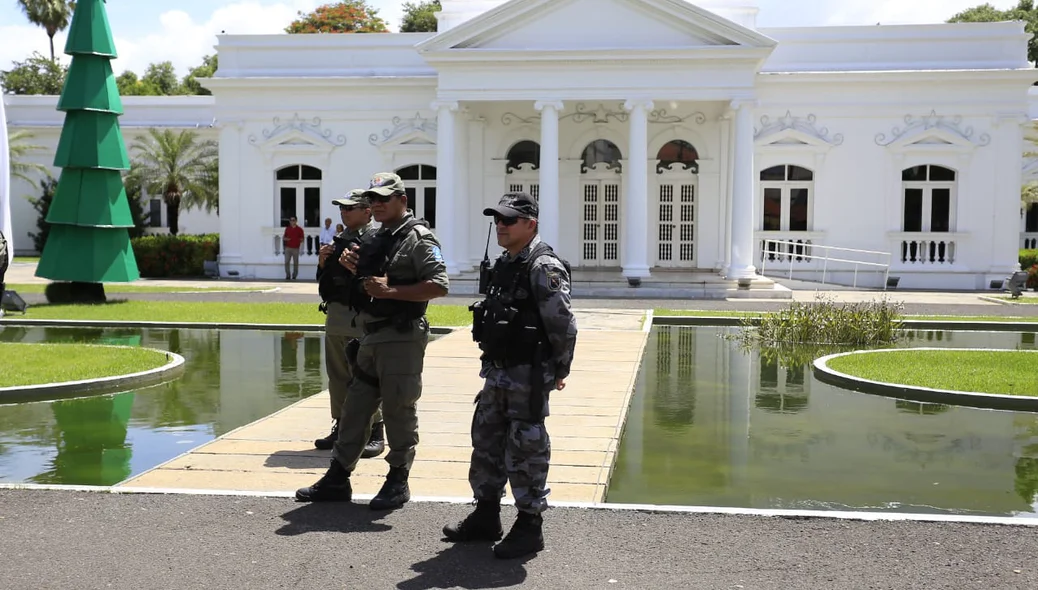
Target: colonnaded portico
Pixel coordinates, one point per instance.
(688, 206)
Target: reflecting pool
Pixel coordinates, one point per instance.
(711, 424)
(233, 377)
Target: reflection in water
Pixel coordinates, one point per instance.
(766, 434)
(232, 378)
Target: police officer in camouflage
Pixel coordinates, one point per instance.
(340, 325)
(528, 334)
(397, 271)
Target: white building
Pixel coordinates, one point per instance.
(665, 140)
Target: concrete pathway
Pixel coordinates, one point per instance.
(276, 454)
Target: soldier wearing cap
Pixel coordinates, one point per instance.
(528, 335)
(339, 327)
(398, 270)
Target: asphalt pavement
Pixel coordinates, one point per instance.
(87, 540)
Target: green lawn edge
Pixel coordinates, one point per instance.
(57, 363)
(712, 313)
(995, 372)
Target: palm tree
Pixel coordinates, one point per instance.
(178, 167)
(18, 149)
(52, 15)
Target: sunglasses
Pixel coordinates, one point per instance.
(348, 207)
(377, 198)
(506, 221)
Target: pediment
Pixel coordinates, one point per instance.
(574, 25)
(415, 133)
(933, 133)
(790, 132)
(299, 135)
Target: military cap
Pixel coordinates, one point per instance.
(515, 205)
(353, 198)
(385, 184)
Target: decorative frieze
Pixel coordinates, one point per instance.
(807, 125)
(311, 127)
(933, 121)
(402, 127)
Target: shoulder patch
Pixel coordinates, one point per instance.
(554, 279)
(437, 254)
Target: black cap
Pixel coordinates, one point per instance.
(515, 205)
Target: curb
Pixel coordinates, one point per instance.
(82, 388)
(989, 401)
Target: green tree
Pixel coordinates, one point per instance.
(35, 75)
(52, 15)
(1024, 11)
(210, 64)
(163, 77)
(19, 148)
(42, 207)
(178, 167)
(421, 17)
(350, 16)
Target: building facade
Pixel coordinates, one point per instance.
(663, 139)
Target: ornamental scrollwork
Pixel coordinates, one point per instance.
(402, 127)
(297, 123)
(933, 121)
(663, 117)
(807, 125)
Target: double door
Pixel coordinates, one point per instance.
(675, 206)
(600, 221)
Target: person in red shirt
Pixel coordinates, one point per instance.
(291, 241)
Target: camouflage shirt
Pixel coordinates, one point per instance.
(550, 284)
(340, 319)
(417, 259)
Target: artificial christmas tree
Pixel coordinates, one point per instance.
(90, 214)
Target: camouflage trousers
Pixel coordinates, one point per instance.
(509, 446)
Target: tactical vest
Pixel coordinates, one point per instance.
(336, 281)
(377, 249)
(507, 324)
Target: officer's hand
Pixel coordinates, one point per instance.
(349, 258)
(325, 251)
(560, 384)
(377, 287)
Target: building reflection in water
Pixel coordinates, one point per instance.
(713, 424)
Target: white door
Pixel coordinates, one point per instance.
(600, 220)
(676, 221)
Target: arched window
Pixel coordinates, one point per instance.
(420, 180)
(786, 195)
(299, 195)
(601, 151)
(524, 152)
(678, 152)
(928, 202)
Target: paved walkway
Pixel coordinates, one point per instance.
(276, 454)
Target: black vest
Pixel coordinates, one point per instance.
(376, 250)
(335, 282)
(507, 324)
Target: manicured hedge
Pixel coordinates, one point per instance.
(163, 255)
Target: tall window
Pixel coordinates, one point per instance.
(299, 195)
(678, 151)
(527, 154)
(786, 193)
(601, 151)
(421, 191)
(928, 202)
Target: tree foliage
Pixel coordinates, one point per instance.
(19, 147)
(51, 15)
(420, 17)
(350, 16)
(1024, 11)
(177, 166)
(35, 75)
(190, 85)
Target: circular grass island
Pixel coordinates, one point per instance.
(49, 371)
(1002, 379)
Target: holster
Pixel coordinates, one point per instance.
(538, 390)
(352, 348)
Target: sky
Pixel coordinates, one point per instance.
(183, 31)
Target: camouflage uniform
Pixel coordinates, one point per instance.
(509, 439)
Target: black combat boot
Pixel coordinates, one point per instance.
(376, 443)
(328, 442)
(333, 487)
(524, 538)
(483, 524)
(394, 492)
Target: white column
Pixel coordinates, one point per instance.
(231, 245)
(636, 201)
(446, 174)
(741, 232)
(548, 201)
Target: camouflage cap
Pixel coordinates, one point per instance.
(353, 198)
(385, 184)
(515, 205)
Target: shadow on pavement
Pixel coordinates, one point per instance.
(466, 565)
(315, 459)
(334, 517)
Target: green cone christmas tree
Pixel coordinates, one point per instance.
(90, 214)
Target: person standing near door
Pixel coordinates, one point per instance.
(292, 241)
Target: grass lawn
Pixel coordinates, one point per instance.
(217, 312)
(1023, 300)
(55, 363)
(743, 314)
(33, 259)
(123, 288)
(1011, 372)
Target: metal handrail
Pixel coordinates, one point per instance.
(825, 266)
